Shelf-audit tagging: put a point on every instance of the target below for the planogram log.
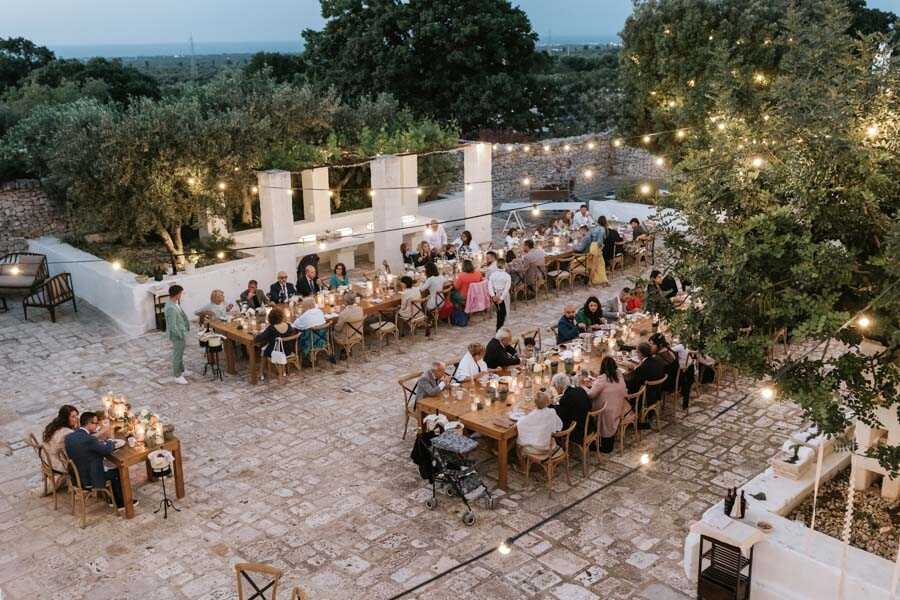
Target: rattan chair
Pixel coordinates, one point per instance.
(408, 393)
(268, 591)
(588, 438)
(51, 477)
(629, 419)
(549, 462)
(81, 494)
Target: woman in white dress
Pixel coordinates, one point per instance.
(54, 439)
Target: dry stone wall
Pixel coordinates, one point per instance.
(26, 212)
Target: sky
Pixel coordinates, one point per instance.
(85, 22)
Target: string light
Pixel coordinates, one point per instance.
(672, 103)
(588, 174)
(680, 134)
(526, 148)
(254, 189)
(505, 547)
(871, 131)
(191, 180)
(535, 211)
(371, 193)
(863, 322)
(645, 189)
(220, 255)
(720, 126)
(322, 245)
(591, 145)
(509, 148)
(646, 139)
(117, 265)
(546, 147)
(289, 192)
(645, 458)
(526, 181)
(418, 191)
(765, 117)
(15, 270)
(617, 143)
(757, 162)
(567, 147)
(767, 392)
(659, 161)
(331, 193)
(222, 186)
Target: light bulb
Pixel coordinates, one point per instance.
(768, 392)
(116, 265)
(222, 185)
(526, 148)
(617, 143)
(567, 147)
(289, 192)
(546, 148)
(504, 548)
(659, 161)
(588, 173)
(15, 270)
(526, 181)
(757, 162)
(322, 245)
(871, 131)
(191, 180)
(645, 189)
(863, 322)
(468, 187)
(672, 104)
(680, 134)
(765, 117)
(720, 126)
(535, 211)
(254, 189)
(496, 146)
(645, 458)
(418, 191)
(371, 193)
(591, 145)
(220, 255)
(330, 193)
(646, 139)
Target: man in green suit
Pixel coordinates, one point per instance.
(177, 326)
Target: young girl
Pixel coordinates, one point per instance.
(512, 237)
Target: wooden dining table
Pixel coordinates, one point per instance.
(127, 456)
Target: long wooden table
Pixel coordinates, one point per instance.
(126, 457)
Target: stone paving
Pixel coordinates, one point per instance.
(312, 476)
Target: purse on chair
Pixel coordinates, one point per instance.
(278, 356)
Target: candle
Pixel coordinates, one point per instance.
(474, 406)
(107, 404)
(576, 354)
(159, 433)
(139, 432)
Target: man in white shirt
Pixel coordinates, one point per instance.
(312, 315)
(582, 218)
(615, 306)
(499, 285)
(435, 235)
(490, 263)
(536, 429)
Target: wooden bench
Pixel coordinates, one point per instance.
(21, 273)
(51, 293)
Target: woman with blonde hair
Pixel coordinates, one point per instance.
(472, 364)
(216, 309)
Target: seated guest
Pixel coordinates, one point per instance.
(88, 452)
(466, 244)
(351, 314)
(573, 405)
(281, 291)
(607, 393)
(433, 285)
(409, 258)
(657, 301)
(253, 297)
(529, 344)
(55, 433)
(610, 239)
(616, 307)
(500, 352)
(308, 285)
(541, 231)
(636, 301)
(669, 286)
(583, 243)
(590, 316)
(278, 328)
(516, 264)
(431, 383)
(311, 317)
(409, 293)
(567, 329)
(450, 252)
(651, 368)
(426, 255)
(659, 345)
(512, 237)
(536, 263)
(339, 278)
(638, 231)
(582, 218)
(472, 364)
(535, 430)
(568, 220)
(560, 227)
(466, 277)
(216, 309)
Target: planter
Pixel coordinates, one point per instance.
(793, 470)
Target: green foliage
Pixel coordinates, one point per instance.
(468, 61)
(792, 219)
(18, 58)
(122, 83)
(283, 67)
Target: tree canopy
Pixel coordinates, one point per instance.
(468, 61)
(18, 58)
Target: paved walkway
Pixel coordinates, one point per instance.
(312, 476)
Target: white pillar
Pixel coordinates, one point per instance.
(316, 197)
(387, 210)
(277, 219)
(409, 177)
(478, 192)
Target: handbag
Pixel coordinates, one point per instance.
(278, 356)
(459, 318)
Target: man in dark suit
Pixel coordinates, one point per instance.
(499, 352)
(308, 285)
(652, 368)
(574, 405)
(87, 452)
(282, 290)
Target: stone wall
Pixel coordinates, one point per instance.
(610, 166)
(26, 212)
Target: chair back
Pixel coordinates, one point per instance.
(319, 336)
(635, 401)
(562, 437)
(655, 389)
(477, 298)
(356, 331)
(289, 343)
(594, 416)
(262, 578)
(52, 292)
(418, 311)
(534, 334)
(408, 385)
(579, 264)
(74, 476)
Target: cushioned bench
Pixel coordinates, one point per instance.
(50, 294)
(21, 273)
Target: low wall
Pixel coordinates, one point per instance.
(129, 303)
(26, 212)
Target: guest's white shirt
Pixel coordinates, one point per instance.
(578, 220)
(472, 247)
(314, 317)
(511, 242)
(683, 356)
(468, 367)
(436, 239)
(537, 428)
(499, 283)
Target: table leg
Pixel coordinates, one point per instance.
(127, 497)
(179, 472)
(150, 475)
(502, 466)
(254, 364)
(230, 366)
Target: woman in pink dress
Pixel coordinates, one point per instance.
(607, 393)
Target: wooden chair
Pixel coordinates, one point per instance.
(299, 594)
(50, 476)
(382, 329)
(419, 318)
(534, 334)
(81, 494)
(319, 342)
(549, 462)
(646, 251)
(629, 419)
(646, 410)
(584, 448)
(440, 299)
(51, 293)
(580, 266)
(245, 572)
(557, 275)
(618, 258)
(355, 337)
(293, 359)
(408, 386)
(21, 273)
(519, 287)
(540, 282)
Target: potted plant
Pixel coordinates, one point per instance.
(158, 273)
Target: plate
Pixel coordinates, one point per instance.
(117, 442)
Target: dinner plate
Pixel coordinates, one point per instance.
(117, 442)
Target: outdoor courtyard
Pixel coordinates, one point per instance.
(312, 476)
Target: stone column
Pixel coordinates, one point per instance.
(387, 210)
(277, 219)
(479, 199)
(409, 181)
(316, 196)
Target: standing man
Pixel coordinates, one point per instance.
(499, 284)
(177, 327)
(435, 235)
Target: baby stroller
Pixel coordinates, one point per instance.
(448, 469)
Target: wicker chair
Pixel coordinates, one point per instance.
(418, 319)
(81, 494)
(549, 462)
(50, 476)
(382, 329)
(408, 386)
(588, 438)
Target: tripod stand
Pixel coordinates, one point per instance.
(165, 504)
